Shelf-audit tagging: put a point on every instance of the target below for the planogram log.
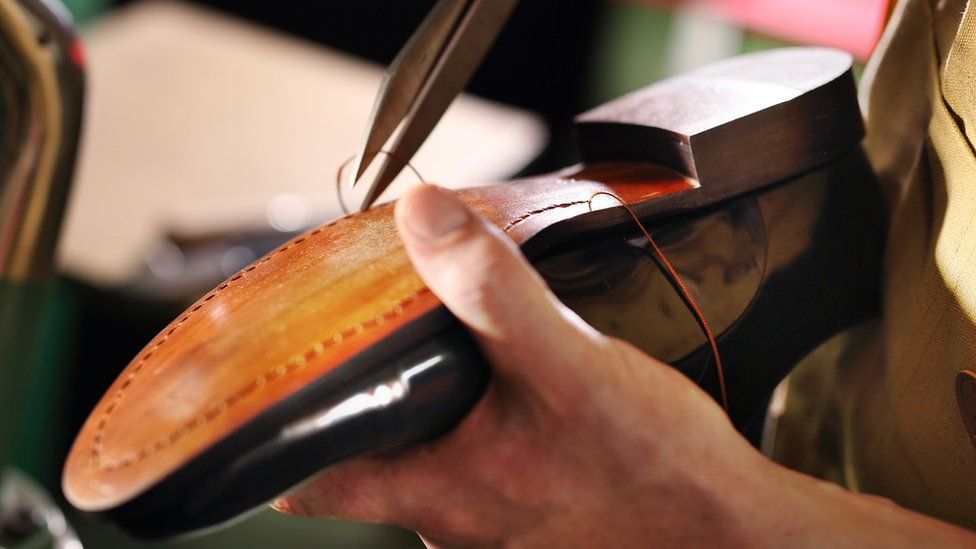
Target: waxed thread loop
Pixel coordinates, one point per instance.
(675, 278)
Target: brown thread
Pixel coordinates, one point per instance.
(344, 165)
(689, 299)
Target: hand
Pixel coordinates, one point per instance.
(574, 434)
(580, 440)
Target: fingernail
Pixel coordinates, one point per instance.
(281, 505)
(433, 214)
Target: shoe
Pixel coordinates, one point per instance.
(747, 172)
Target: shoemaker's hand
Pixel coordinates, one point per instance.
(581, 439)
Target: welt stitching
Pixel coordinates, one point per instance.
(531, 213)
(297, 363)
(183, 431)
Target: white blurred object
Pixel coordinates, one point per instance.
(698, 38)
(289, 212)
(199, 123)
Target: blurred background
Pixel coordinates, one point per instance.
(214, 130)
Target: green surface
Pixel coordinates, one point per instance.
(266, 529)
(42, 391)
(86, 10)
(630, 51)
(752, 42)
(632, 47)
(21, 306)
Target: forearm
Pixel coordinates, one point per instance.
(787, 508)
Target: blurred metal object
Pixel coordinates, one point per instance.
(431, 70)
(41, 88)
(41, 81)
(31, 518)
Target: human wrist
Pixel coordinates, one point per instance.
(709, 497)
(737, 493)
(794, 509)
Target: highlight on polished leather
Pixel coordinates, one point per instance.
(749, 175)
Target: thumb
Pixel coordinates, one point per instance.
(483, 278)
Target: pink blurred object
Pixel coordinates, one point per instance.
(852, 25)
